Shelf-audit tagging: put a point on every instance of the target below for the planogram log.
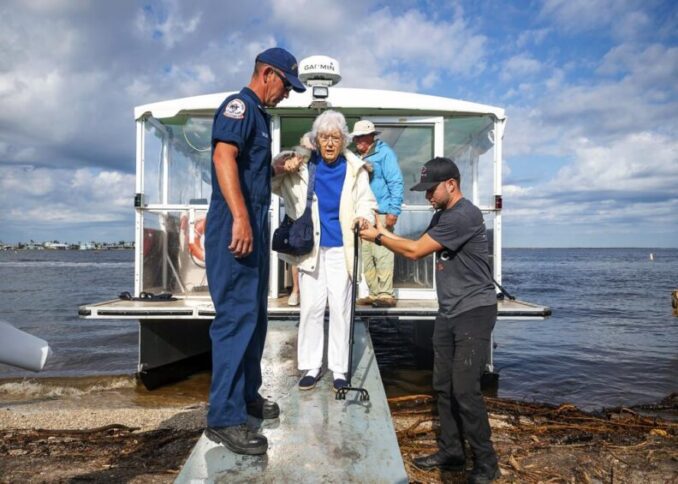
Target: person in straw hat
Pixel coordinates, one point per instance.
(386, 182)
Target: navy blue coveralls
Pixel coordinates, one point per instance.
(239, 287)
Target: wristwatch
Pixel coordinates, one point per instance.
(377, 239)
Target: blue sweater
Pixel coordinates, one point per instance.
(329, 181)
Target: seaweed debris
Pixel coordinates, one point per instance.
(548, 443)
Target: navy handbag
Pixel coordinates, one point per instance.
(295, 237)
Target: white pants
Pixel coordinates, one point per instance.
(328, 283)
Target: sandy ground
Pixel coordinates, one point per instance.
(141, 419)
(79, 439)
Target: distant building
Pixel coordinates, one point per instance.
(55, 246)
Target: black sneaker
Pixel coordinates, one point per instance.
(263, 408)
(440, 461)
(239, 439)
(484, 475)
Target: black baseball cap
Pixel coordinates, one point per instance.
(435, 171)
(281, 59)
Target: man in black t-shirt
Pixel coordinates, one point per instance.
(466, 316)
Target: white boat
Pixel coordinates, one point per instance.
(173, 189)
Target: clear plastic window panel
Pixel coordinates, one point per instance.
(470, 141)
(486, 179)
(490, 219)
(183, 145)
(153, 143)
(414, 146)
(173, 252)
(408, 273)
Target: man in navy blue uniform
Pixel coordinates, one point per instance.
(237, 251)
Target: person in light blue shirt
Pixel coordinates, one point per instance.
(386, 182)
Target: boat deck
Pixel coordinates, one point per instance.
(316, 438)
(202, 308)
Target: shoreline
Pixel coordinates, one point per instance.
(118, 437)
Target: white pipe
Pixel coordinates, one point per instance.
(23, 350)
(138, 213)
(274, 214)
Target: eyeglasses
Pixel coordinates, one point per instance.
(325, 138)
(286, 84)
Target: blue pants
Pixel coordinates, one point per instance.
(239, 290)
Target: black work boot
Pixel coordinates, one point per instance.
(263, 408)
(440, 461)
(484, 474)
(239, 439)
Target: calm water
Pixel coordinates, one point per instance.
(612, 339)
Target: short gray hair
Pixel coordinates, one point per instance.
(330, 121)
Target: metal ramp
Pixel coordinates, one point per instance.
(316, 438)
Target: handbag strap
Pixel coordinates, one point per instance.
(311, 165)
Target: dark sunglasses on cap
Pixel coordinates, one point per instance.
(286, 84)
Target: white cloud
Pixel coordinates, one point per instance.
(73, 196)
(520, 66)
(643, 162)
(383, 48)
(52, 6)
(516, 191)
(410, 37)
(633, 91)
(70, 105)
(318, 17)
(167, 23)
(20, 182)
(646, 67)
(609, 136)
(430, 80)
(618, 195)
(67, 108)
(535, 37)
(622, 18)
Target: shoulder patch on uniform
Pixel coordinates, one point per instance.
(235, 109)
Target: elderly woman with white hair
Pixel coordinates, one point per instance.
(342, 197)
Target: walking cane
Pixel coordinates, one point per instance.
(362, 393)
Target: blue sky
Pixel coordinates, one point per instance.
(589, 87)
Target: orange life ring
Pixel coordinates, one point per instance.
(195, 246)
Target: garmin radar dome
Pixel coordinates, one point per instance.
(319, 72)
